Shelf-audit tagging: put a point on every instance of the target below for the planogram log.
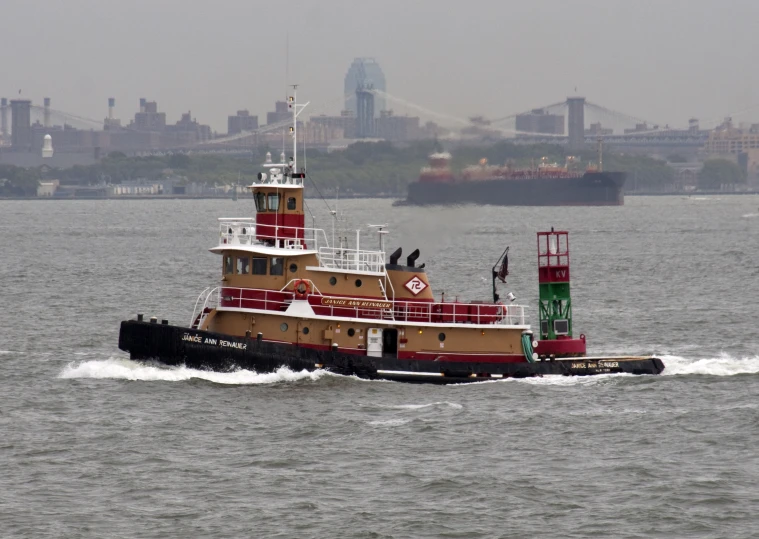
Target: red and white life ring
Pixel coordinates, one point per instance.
(302, 289)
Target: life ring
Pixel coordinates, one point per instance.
(302, 289)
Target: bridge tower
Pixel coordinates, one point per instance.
(4, 117)
(576, 123)
(553, 277)
(21, 125)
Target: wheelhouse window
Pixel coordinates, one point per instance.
(259, 266)
(273, 202)
(229, 265)
(291, 203)
(277, 266)
(260, 202)
(243, 265)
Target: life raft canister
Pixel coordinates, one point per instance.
(302, 289)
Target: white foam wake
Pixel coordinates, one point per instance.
(750, 215)
(723, 365)
(453, 405)
(125, 369)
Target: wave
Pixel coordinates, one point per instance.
(126, 369)
(723, 365)
(750, 215)
(441, 404)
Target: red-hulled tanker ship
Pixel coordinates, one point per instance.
(289, 299)
(547, 184)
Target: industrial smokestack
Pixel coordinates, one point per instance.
(142, 104)
(4, 117)
(111, 104)
(47, 112)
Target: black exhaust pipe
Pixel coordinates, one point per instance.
(411, 259)
(396, 255)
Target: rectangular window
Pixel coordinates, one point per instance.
(291, 203)
(561, 327)
(273, 202)
(259, 266)
(277, 265)
(243, 265)
(229, 265)
(260, 202)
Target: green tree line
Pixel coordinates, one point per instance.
(363, 168)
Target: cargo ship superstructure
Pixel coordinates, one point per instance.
(287, 298)
(545, 184)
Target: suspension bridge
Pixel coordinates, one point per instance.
(574, 121)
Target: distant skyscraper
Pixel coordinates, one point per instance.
(364, 71)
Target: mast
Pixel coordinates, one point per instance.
(292, 103)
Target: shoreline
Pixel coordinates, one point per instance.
(380, 196)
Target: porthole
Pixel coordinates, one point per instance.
(441, 337)
(358, 283)
(333, 281)
(283, 326)
(293, 268)
(351, 332)
(305, 331)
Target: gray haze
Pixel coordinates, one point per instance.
(662, 60)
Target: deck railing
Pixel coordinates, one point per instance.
(366, 308)
(352, 259)
(242, 231)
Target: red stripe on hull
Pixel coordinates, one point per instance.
(463, 356)
(427, 356)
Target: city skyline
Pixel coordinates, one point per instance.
(661, 61)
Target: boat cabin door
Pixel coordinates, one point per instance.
(382, 342)
(374, 342)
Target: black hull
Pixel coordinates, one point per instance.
(173, 345)
(591, 189)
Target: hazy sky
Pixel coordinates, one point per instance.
(662, 60)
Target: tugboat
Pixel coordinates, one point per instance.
(289, 299)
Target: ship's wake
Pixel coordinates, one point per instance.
(125, 369)
(722, 365)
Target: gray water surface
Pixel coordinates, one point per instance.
(95, 445)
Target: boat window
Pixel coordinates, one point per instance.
(229, 265)
(333, 280)
(291, 203)
(273, 202)
(243, 265)
(277, 266)
(259, 266)
(260, 202)
(283, 326)
(441, 337)
(293, 268)
(305, 331)
(358, 283)
(351, 332)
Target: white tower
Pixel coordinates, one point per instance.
(47, 146)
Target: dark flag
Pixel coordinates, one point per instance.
(504, 270)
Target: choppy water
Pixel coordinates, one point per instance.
(95, 445)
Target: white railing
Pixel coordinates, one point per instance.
(352, 259)
(242, 231)
(208, 299)
(446, 313)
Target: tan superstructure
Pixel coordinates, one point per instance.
(283, 281)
